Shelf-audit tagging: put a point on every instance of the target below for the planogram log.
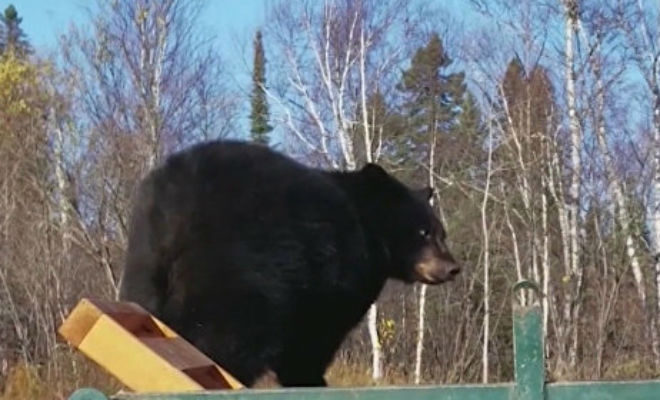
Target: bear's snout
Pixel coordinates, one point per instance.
(433, 268)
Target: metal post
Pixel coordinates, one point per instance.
(529, 365)
(88, 394)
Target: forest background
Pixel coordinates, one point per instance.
(538, 123)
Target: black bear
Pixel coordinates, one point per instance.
(264, 263)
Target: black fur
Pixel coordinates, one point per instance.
(264, 263)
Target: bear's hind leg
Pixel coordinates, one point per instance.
(301, 366)
(300, 377)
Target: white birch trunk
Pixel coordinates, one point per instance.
(523, 189)
(376, 351)
(420, 334)
(422, 293)
(572, 307)
(155, 120)
(62, 203)
(556, 189)
(647, 58)
(484, 225)
(615, 188)
(147, 78)
(546, 186)
(653, 209)
(60, 179)
(545, 261)
(368, 137)
(516, 252)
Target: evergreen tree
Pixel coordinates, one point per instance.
(12, 37)
(469, 120)
(527, 105)
(432, 102)
(528, 96)
(259, 114)
(525, 108)
(466, 141)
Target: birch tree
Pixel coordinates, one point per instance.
(643, 39)
(30, 283)
(146, 83)
(486, 241)
(146, 71)
(593, 33)
(574, 273)
(521, 91)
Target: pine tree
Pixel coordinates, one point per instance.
(12, 37)
(467, 137)
(259, 114)
(469, 120)
(528, 98)
(432, 105)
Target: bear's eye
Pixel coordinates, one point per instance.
(425, 233)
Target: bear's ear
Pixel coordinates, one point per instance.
(371, 169)
(425, 194)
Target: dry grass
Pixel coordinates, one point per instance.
(343, 374)
(58, 379)
(69, 370)
(55, 380)
(357, 374)
(23, 382)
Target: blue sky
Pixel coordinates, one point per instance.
(44, 21)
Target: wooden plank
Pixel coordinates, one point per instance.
(129, 360)
(79, 322)
(140, 350)
(177, 352)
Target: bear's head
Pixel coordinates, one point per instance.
(412, 237)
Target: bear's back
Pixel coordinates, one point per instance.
(252, 210)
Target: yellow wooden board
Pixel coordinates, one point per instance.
(140, 350)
